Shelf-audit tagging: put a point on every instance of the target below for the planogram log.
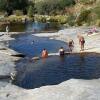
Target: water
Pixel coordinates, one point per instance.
(55, 70)
(31, 26)
(31, 45)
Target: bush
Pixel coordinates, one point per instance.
(71, 20)
(59, 18)
(40, 18)
(83, 17)
(18, 13)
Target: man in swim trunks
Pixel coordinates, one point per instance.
(81, 42)
(71, 45)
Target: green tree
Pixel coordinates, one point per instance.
(20, 4)
(31, 11)
(52, 6)
(10, 5)
(83, 17)
(2, 5)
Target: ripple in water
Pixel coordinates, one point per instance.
(55, 70)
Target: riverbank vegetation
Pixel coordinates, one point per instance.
(67, 12)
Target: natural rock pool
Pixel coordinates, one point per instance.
(55, 70)
(31, 45)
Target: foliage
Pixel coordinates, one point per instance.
(71, 20)
(10, 5)
(58, 19)
(18, 13)
(98, 22)
(20, 4)
(52, 6)
(83, 17)
(87, 1)
(2, 5)
(30, 11)
(96, 10)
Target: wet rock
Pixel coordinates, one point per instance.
(18, 55)
(35, 58)
(4, 76)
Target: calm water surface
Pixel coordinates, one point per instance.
(55, 70)
(31, 45)
(31, 26)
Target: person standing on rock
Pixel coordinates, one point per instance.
(71, 45)
(81, 42)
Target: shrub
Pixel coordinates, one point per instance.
(61, 19)
(18, 13)
(84, 16)
(40, 18)
(71, 20)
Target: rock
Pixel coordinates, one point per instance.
(72, 89)
(4, 76)
(35, 58)
(18, 55)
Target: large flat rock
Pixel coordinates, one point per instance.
(69, 90)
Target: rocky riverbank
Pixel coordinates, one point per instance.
(67, 34)
(72, 89)
(8, 58)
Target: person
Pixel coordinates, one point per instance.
(61, 51)
(7, 29)
(44, 53)
(71, 45)
(92, 30)
(81, 42)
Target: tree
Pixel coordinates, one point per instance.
(52, 6)
(83, 17)
(20, 4)
(2, 5)
(10, 5)
(30, 11)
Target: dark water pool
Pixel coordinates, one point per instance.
(31, 26)
(55, 70)
(31, 45)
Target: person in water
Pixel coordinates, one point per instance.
(82, 42)
(61, 51)
(44, 53)
(71, 45)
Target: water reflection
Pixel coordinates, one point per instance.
(62, 58)
(31, 27)
(82, 58)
